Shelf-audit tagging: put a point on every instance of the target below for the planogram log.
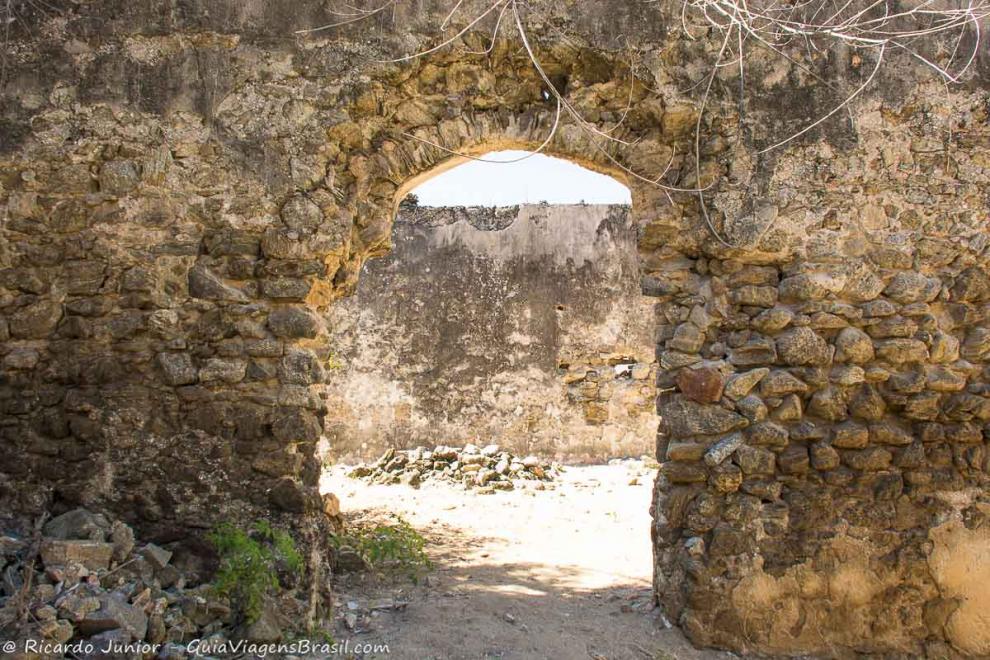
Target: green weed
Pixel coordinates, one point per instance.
(394, 548)
(250, 561)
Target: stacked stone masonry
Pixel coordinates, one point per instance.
(841, 416)
(186, 189)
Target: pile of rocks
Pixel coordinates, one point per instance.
(488, 468)
(84, 586)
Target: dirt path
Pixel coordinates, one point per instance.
(562, 573)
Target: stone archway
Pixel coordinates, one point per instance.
(167, 246)
(176, 358)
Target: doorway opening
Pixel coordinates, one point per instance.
(497, 390)
(520, 324)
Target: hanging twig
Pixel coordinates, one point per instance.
(357, 16)
(878, 25)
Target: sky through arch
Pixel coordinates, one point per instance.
(536, 179)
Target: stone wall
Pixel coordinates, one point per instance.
(520, 326)
(187, 189)
(840, 412)
(825, 442)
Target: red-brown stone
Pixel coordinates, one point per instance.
(703, 385)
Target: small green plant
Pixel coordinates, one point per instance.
(395, 547)
(250, 561)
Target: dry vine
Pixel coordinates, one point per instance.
(875, 27)
(599, 137)
(818, 25)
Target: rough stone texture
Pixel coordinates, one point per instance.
(881, 408)
(520, 326)
(703, 384)
(149, 159)
(86, 593)
(93, 555)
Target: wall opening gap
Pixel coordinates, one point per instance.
(505, 334)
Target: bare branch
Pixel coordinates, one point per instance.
(779, 26)
(357, 16)
(834, 110)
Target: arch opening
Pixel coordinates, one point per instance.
(510, 177)
(494, 342)
(481, 311)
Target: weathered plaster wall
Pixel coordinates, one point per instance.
(498, 325)
(187, 188)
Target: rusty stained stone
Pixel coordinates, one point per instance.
(703, 385)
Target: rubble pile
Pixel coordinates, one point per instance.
(489, 468)
(82, 582)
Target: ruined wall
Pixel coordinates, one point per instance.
(520, 326)
(825, 444)
(840, 414)
(187, 188)
(185, 192)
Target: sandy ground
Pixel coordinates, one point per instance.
(562, 573)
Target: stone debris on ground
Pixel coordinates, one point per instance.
(488, 468)
(82, 578)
